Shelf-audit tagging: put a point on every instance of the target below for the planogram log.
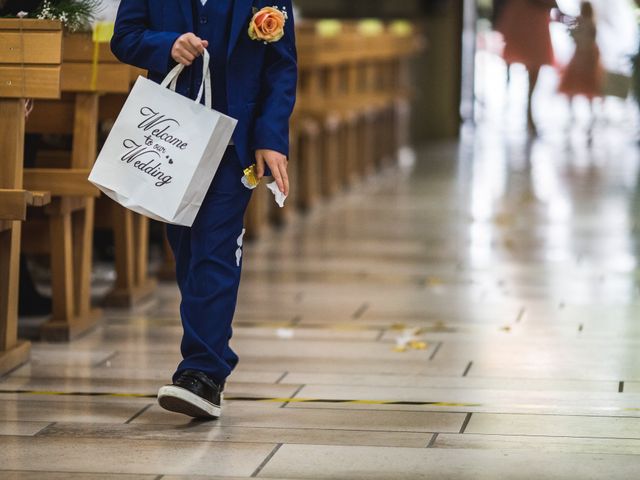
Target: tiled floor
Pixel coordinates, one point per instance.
(476, 318)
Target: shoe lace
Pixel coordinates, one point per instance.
(193, 380)
(187, 379)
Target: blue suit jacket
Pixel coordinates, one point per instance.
(261, 79)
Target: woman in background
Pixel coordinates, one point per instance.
(524, 25)
(584, 75)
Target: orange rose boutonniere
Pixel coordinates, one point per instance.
(267, 25)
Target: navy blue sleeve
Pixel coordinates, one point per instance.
(278, 91)
(136, 43)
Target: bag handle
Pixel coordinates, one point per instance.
(171, 80)
(205, 86)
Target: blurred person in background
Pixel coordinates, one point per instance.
(584, 75)
(524, 25)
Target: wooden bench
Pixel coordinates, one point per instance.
(358, 74)
(130, 231)
(30, 56)
(65, 232)
(321, 71)
(282, 216)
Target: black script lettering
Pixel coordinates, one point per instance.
(154, 171)
(136, 150)
(154, 119)
(162, 181)
(160, 125)
(165, 136)
(146, 160)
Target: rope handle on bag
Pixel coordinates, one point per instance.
(171, 80)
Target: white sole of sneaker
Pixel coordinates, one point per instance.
(180, 400)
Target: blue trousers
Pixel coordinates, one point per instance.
(208, 264)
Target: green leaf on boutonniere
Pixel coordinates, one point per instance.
(255, 10)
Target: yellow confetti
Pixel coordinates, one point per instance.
(418, 345)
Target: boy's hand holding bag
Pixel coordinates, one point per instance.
(164, 149)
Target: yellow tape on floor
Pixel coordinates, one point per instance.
(274, 399)
(247, 399)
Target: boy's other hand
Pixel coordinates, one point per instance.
(277, 163)
(187, 48)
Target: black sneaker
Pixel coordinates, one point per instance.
(194, 394)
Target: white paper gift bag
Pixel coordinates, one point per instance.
(164, 149)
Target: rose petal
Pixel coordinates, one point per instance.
(269, 25)
(260, 18)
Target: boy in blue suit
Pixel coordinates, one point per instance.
(254, 73)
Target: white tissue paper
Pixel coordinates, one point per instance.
(273, 188)
(280, 197)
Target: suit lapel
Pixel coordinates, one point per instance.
(239, 22)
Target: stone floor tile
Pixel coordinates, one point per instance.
(122, 456)
(329, 462)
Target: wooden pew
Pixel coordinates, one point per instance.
(321, 71)
(307, 133)
(130, 230)
(66, 230)
(30, 56)
(339, 76)
(358, 72)
(280, 217)
(372, 89)
(131, 251)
